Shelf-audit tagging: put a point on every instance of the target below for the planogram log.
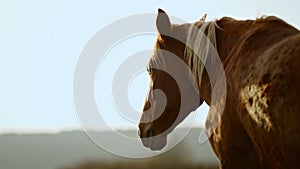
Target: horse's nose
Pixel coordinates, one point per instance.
(145, 131)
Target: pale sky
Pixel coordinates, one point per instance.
(40, 42)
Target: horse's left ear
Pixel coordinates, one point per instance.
(163, 23)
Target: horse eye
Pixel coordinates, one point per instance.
(150, 70)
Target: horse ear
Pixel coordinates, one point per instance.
(203, 18)
(163, 23)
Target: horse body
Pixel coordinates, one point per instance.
(259, 126)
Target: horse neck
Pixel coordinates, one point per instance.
(227, 36)
(231, 33)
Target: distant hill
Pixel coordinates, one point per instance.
(51, 151)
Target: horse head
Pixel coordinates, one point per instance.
(165, 107)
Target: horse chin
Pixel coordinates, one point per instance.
(155, 143)
(159, 145)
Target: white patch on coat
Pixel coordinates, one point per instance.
(255, 100)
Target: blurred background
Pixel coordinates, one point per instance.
(40, 43)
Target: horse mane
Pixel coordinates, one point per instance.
(157, 60)
(266, 18)
(201, 39)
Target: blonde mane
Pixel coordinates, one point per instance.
(157, 60)
(201, 40)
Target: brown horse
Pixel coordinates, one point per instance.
(259, 127)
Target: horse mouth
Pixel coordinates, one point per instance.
(155, 143)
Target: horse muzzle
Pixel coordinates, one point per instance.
(151, 139)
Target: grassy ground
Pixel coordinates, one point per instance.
(140, 165)
(172, 160)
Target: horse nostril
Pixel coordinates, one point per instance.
(149, 132)
(145, 130)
